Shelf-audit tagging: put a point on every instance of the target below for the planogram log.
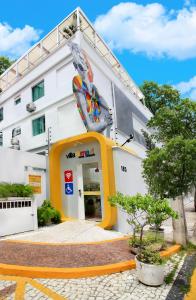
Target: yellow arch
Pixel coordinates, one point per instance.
(109, 214)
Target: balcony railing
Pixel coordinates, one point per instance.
(54, 39)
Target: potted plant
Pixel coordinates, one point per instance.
(144, 210)
(47, 214)
(136, 207)
(150, 267)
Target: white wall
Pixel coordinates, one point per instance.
(16, 166)
(129, 182)
(58, 104)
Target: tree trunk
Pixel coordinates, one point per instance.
(141, 235)
(179, 225)
(195, 198)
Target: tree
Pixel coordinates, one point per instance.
(5, 63)
(170, 171)
(143, 210)
(149, 140)
(178, 121)
(158, 96)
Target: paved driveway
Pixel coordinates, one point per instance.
(70, 231)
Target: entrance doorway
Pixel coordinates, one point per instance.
(92, 191)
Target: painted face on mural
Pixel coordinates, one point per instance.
(93, 109)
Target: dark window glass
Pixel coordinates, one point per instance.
(38, 125)
(38, 91)
(1, 114)
(17, 101)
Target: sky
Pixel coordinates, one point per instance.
(153, 39)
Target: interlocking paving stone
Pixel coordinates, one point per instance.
(118, 286)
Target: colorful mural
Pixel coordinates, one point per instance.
(92, 107)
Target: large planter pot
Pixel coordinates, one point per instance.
(148, 274)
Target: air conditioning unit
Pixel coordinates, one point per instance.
(15, 141)
(31, 107)
(16, 147)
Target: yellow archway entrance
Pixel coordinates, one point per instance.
(109, 213)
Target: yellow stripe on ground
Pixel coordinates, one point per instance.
(45, 290)
(67, 243)
(20, 290)
(192, 293)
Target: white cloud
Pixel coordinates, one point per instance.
(188, 88)
(14, 42)
(150, 29)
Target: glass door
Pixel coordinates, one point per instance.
(92, 192)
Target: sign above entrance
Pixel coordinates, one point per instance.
(81, 154)
(68, 176)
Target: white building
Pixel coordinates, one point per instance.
(37, 99)
(44, 75)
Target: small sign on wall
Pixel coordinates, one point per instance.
(35, 181)
(68, 176)
(69, 188)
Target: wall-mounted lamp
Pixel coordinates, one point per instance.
(128, 140)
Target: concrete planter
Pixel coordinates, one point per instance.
(148, 274)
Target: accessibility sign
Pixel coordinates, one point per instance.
(69, 188)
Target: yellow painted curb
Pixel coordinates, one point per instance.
(45, 272)
(68, 244)
(171, 250)
(192, 293)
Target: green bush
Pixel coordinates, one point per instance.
(15, 190)
(47, 214)
(143, 210)
(149, 256)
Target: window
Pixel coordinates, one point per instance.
(38, 125)
(17, 101)
(38, 91)
(1, 114)
(1, 138)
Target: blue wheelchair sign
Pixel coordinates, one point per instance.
(69, 188)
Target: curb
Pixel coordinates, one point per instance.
(45, 272)
(65, 243)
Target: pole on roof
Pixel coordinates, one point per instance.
(78, 18)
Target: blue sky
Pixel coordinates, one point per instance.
(154, 40)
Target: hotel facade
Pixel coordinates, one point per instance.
(69, 98)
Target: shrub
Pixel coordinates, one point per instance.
(149, 256)
(143, 210)
(47, 214)
(15, 190)
(56, 219)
